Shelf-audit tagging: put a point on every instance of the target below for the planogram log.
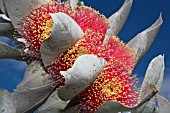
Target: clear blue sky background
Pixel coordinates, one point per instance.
(142, 15)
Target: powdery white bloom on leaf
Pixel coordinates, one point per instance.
(53, 105)
(7, 104)
(163, 104)
(154, 75)
(84, 71)
(118, 19)
(143, 41)
(65, 33)
(33, 89)
(9, 52)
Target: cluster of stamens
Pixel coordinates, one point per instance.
(113, 83)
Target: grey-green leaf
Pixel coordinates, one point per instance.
(4, 18)
(149, 93)
(118, 19)
(17, 9)
(163, 104)
(143, 41)
(65, 33)
(154, 75)
(7, 52)
(33, 90)
(112, 107)
(6, 27)
(29, 100)
(7, 104)
(53, 104)
(2, 7)
(34, 77)
(84, 71)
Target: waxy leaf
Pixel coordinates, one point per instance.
(6, 27)
(65, 33)
(154, 75)
(7, 104)
(163, 104)
(17, 9)
(34, 77)
(84, 71)
(112, 107)
(2, 7)
(53, 104)
(33, 90)
(118, 19)
(143, 41)
(9, 52)
(148, 94)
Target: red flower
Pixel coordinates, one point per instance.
(113, 82)
(37, 27)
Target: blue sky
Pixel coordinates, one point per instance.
(142, 15)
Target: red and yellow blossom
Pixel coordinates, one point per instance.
(113, 82)
(75, 49)
(37, 27)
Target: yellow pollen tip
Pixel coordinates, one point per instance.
(46, 29)
(113, 88)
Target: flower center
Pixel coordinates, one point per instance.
(112, 88)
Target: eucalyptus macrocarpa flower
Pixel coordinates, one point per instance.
(73, 49)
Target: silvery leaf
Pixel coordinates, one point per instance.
(5, 18)
(33, 90)
(154, 75)
(34, 77)
(112, 107)
(118, 19)
(156, 110)
(65, 33)
(7, 104)
(6, 29)
(2, 7)
(143, 41)
(17, 9)
(53, 104)
(9, 52)
(163, 104)
(84, 71)
(147, 95)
